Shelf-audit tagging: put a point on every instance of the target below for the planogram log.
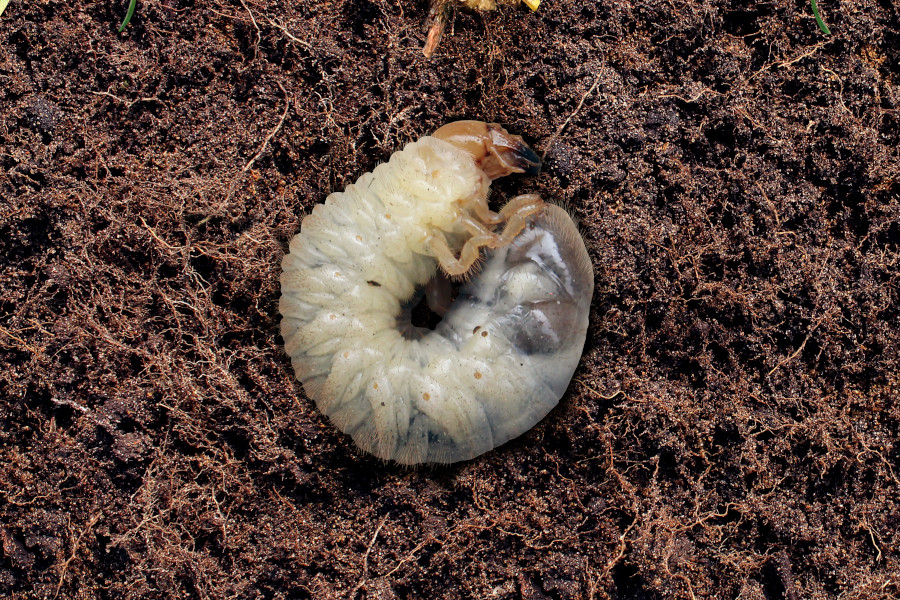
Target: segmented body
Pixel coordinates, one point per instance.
(498, 361)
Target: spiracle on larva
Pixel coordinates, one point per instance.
(502, 355)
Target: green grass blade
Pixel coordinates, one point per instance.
(3, 4)
(130, 12)
(819, 20)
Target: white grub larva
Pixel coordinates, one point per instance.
(504, 352)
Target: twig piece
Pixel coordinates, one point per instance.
(288, 34)
(65, 566)
(788, 63)
(128, 104)
(412, 554)
(365, 565)
(589, 388)
(797, 351)
(783, 567)
(263, 146)
(572, 114)
(258, 32)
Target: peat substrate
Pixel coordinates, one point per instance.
(731, 432)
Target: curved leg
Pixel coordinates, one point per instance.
(515, 213)
(480, 206)
(449, 263)
(524, 205)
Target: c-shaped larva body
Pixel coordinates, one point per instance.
(503, 354)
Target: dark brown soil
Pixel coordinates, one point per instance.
(733, 431)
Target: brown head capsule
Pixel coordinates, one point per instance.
(497, 152)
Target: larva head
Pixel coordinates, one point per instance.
(497, 152)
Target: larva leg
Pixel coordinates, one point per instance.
(480, 233)
(451, 265)
(471, 250)
(482, 237)
(515, 213)
(480, 206)
(524, 206)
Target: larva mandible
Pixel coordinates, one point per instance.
(500, 358)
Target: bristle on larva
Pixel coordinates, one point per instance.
(504, 352)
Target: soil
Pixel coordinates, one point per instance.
(732, 431)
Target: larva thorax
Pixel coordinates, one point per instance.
(436, 191)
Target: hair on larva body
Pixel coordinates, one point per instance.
(503, 354)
